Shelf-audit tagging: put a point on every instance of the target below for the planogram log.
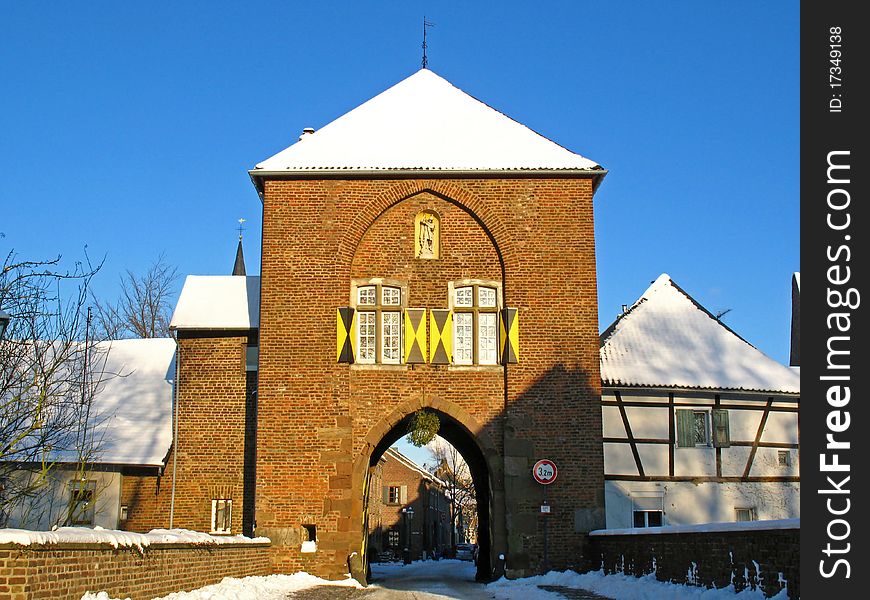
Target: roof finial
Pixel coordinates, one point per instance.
(425, 25)
(239, 265)
(241, 229)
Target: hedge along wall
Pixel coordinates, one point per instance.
(67, 571)
(752, 556)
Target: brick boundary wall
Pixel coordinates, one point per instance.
(765, 558)
(67, 571)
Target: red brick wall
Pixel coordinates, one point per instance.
(211, 440)
(66, 572)
(418, 497)
(768, 559)
(318, 419)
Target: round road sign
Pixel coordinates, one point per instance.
(544, 471)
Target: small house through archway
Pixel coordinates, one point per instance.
(430, 533)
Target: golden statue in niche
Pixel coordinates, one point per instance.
(427, 236)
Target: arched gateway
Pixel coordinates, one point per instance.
(422, 251)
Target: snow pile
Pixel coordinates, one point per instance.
(270, 587)
(120, 539)
(623, 587)
(705, 527)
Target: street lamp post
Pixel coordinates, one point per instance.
(408, 514)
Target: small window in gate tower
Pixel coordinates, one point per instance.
(221, 515)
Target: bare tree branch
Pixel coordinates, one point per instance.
(143, 309)
(49, 369)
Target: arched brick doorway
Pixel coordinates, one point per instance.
(454, 432)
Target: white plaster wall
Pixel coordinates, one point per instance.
(611, 420)
(648, 422)
(653, 457)
(688, 503)
(618, 460)
(49, 507)
(652, 422)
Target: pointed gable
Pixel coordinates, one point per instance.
(423, 123)
(667, 339)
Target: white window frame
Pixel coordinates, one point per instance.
(381, 292)
(395, 339)
(480, 356)
(748, 510)
(228, 520)
(87, 514)
(646, 503)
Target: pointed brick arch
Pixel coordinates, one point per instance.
(449, 191)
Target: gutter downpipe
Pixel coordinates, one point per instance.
(174, 433)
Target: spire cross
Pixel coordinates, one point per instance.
(425, 25)
(241, 229)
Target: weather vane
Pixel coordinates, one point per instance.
(425, 25)
(241, 229)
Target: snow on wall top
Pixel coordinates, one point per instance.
(218, 302)
(423, 122)
(132, 406)
(121, 539)
(667, 339)
(705, 527)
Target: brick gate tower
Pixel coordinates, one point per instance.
(425, 251)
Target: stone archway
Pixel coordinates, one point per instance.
(462, 431)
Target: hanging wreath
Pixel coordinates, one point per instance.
(423, 427)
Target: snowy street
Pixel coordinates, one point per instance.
(454, 580)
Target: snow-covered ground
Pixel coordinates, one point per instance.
(272, 587)
(454, 579)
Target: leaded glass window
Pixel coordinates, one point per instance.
(366, 337)
(366, 296)
(464, 297)
(391, 296)
(487, 352)
(475, 324)
(700, 429)
(463, 339)
(391, 338)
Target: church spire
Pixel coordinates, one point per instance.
(239, 267)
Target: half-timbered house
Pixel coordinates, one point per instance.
(698, 424)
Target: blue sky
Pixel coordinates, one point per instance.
(130, 128)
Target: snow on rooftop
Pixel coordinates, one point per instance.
(132, 406)
(121, 539)
(218, 302)
(667, 339)
(424, 123)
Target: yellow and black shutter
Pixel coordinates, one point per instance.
(344, 336)
(509, 336)
(440, 336)
(415, 336)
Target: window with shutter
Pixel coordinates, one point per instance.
(377, 334)
(685, 428)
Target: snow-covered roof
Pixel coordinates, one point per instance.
(394, 453)
(132, 406)
(667, 339)
(218, 302)
(423, 123)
